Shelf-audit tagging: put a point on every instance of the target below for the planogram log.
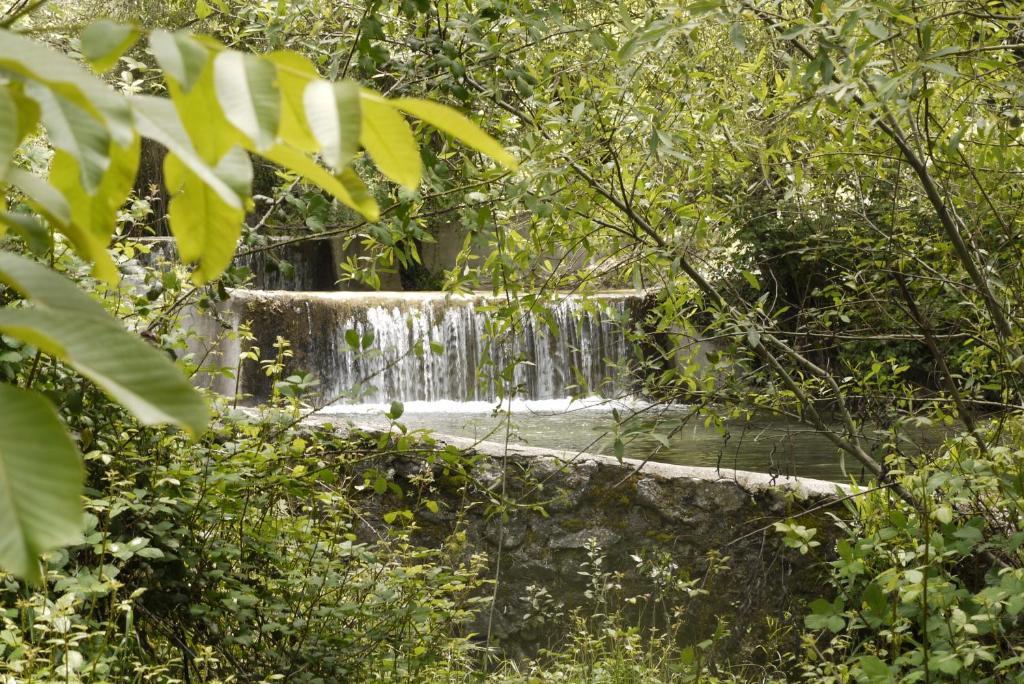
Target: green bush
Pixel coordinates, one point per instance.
(241, 558)
(933, 593)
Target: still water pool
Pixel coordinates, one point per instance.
(667, 434)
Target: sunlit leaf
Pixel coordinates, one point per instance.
(158, 120)
(66, 77)
(47, 288)
(9, 139)
(211, 134)
(31, 229)
(333, 114)
(74, 130)
(98, 212)
(180, 55)
(246, 92)
(458, 126)
(294, 73)
(387, 137)
(205, 227)
(27, 112)
(94, 216)
(43, 196)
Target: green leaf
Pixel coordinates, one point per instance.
(157, 119)
(704, 6)
(876, 29)
(47, 288)
(74, 130)
(396, 411)
(346, 186)
(9, 138)
(28, 112)
(41, 480)
(205, 227)
(458, 126)
(247, 95)
(949, 663)
(203, 10)
(105, 41)
(794, 32)
(333, 114)
(362, 200)
(876, 671)
(94, 216)
(136, 375)
(180, 55)
(753, 337)
(874, 598)
(352, 338)
(661, 439)
(66, 77)
(739, 40)
(43, 196)
(31, 229)
(211, 134)
(118, 361)
(19, 116)
(294, 73)
(824, 615)
(387, 137)
(970, 534)
(943, 68)
(943, 513)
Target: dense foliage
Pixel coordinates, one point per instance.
(234, 558)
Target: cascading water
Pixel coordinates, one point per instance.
(430, 347)
(580, 352)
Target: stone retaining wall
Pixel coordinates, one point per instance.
(633, 510)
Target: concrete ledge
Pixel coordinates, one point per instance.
(748, 480)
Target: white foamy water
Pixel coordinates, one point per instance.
(447, 351)
(514, 407)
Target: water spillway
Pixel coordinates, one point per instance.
(426, 346)
(440, 355)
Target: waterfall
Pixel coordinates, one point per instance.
(429, 346)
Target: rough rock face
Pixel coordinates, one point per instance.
(688, 515)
